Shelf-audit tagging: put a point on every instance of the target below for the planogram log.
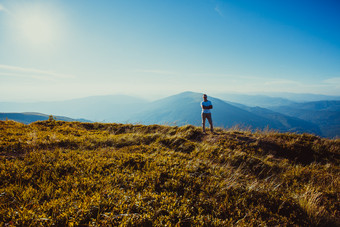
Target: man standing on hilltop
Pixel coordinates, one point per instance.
(206, 113)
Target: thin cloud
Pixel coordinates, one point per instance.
(155, 71)
(335, 81)
(29, 71)
(218, 10)
(190, 76)
(4, 9)
(23, 75)
(278, 82)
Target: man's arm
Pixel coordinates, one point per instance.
(207, 107)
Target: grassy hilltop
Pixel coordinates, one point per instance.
(71, 173)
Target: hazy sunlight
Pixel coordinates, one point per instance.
(36, 25)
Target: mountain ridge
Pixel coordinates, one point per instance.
(30, 117)
(326, 114)
(95, 108)
(184, 108)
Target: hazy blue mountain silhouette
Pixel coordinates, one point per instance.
(326, 114)
(273, 99)
(286, 123)
(321, 118)
(255, 100)
(27, 118)
(184, 108)
(301, 97)
(110, 108)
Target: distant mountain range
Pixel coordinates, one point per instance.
(274, 99)
(28, 118)
(111, 108)
(255, 100)
(326, 114)
(185, 108)
(320, 118)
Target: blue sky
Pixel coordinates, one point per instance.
(60, 49)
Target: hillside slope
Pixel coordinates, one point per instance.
(27, 118)
(255, 100)
(326, 114)
(108, 108)
(285, 123)
(72, 173)
(184, 108)
(271, 99)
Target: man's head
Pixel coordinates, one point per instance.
(205, 97)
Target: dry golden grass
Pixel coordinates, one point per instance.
(93, 174)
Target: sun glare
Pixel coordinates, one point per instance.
(37, 28)
(36, 25)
